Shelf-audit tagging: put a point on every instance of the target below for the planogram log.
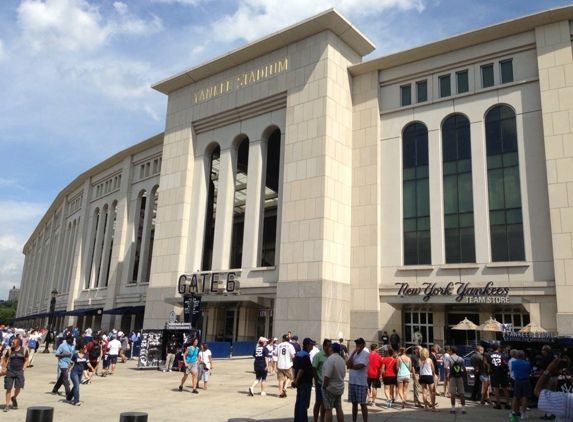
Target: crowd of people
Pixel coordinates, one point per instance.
(79, 357)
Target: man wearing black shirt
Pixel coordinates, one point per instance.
(303, 381)
(171, 351)
(477, 363)
(499, 378)
(395, 340)
(385, 340)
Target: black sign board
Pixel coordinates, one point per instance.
(187, 309)
(151, 348)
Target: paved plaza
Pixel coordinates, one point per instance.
(156, 393)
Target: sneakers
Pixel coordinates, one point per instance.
(497, 406)
(180, 388)
(453, 411)
(195, 391)
(389, 404)
(282, 395)
(170, 370)
(251, 393)
(6, 409)
(85, 381)
(464, 412)
(507, 407)
(14, 403)
(524, 416)
(164, 370)
(77, 404)
(263, 393)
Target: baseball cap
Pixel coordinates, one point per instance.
(263, 340)
(69, 336)
(335, 347)
(359, 340)
(308, 341)
(275, 339)
(285, 336)
(295, 337)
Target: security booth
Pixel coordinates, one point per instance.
(153, 343)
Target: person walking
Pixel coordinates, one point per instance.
(114, 348)
(285, 353)
(78, 362)
(64, 353)
(190, 360)
(318, 362)
(94, 351)
(374, 374)
(333, 373)
(457, 378)
(358, 380)
(427, 372)
(205, 365)
(403, 375)
(389, 377)
(261, 366)
(303, 381)
(15, 362)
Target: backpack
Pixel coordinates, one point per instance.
(95, 351)
(456, 369)
(32, 343)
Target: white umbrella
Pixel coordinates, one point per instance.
(490, 325)
(532, 327)
(465, 325)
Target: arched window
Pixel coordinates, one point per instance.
(458, 190)
(271, 200)
(150, 236)
(212, 190)
(416, 191)
(139, 226)
(239, 204)
(505, 217)
(95, 226)
(109, 244)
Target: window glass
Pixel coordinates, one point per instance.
(211, 212)
(422, 88)
(271, 198)
(487, 76)
(416, 195)
(240, 204)
(504, 191)
(506, 70)
(458, 190)
(445, 86)
(405, 95)
(463, 82)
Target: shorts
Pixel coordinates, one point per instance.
(14, 379)
(499, 380)
(203, 372)
(93, 364)
(522, 388)
(318, 393)
(113, 359)
(457, 386)
(426, 379)
(374, 382)
(191, 368)
(357, 393)
(405, 378)
(105, 361)
(261, 375)
(331, 401)
(389, 380)
(284, 374)
(484, 378)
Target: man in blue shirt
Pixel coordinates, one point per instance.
(303, 381)
(64, 354)
(522, 388)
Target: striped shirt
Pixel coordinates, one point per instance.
(557, 403)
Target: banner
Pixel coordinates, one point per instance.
(187, 309)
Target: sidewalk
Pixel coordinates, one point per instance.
(226, 399)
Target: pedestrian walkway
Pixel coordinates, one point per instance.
(156, 393)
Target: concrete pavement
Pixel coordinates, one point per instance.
(226, 399)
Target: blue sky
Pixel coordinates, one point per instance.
(76, 74)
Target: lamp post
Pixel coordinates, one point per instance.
(193, 288)
(50, 320)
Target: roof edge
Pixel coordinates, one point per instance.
(330, 19)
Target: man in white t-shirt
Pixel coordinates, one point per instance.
(333, 373)
(285, 353)
(114, 346)
(358, 380)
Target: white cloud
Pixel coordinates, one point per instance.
(152, 113)
(189, 2)
(77, 25)
(257, 18)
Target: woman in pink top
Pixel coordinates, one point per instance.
(389, 375)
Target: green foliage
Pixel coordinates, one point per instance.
(8, 311)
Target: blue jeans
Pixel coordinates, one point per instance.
(303, 393)
(76, 380)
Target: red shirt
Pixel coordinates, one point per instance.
(374, 365)
(390, 367)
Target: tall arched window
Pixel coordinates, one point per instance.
(212, 190)
(271, 200)
(109, 250)
(95, 227)
(150, 235)
(239, 204)
(458, 190)
(416, 191)
(505, 217)
(139, 226)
